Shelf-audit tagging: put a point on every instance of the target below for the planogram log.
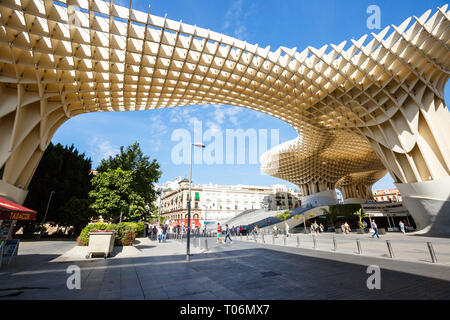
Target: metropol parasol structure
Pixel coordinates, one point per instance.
(361, 108)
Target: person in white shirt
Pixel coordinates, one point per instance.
(159, 233)
(286, 226)
(402, 226)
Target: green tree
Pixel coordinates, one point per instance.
(113, 193)
(67, 172)
(145, 172)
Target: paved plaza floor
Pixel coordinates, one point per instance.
(404, 247)
(238, 271)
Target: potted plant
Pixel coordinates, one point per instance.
(360, 216)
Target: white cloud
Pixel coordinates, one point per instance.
(214, 127)
(223, 113)
(101, 149)
(157, 126)
(156, 144)
(235, 20)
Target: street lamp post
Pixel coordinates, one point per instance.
(161, 190)
(188, 244)
(46, 211)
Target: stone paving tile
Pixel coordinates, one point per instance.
(243, 270)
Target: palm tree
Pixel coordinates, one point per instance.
(330, 213)
(360, 215)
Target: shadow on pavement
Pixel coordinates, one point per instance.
(253, 273)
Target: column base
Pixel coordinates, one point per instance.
(12, 193)
(429, 204)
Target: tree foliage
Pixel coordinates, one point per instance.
(67, 172)
(360, 216)
(144, 172)
(113, 193)
(125, 183)
(283, 215)
(331, 213)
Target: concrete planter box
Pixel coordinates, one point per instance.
(338, 230)
(360, 231)
(101, 242)
(381, 231)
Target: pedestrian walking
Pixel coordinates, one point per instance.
(164, 233)
(219, 232)
(347, 228)
(154, 232)
(286, 227)
(314, 227)
(256, 230)
(159, 233)
(227, 234)
(402, 226)
(375, 229)
(365, 226)
(275, 231)
(321, 228)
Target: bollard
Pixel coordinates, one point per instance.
(273, 239)
(391, 252)
(247, 236)
(314, 242)
(240, 237)
(432, 253)
(194, 243)
(254, 237)
(298, 242)
(206, 244)
(334, 243)
(262, 238)
(284, 240)
(358, 245)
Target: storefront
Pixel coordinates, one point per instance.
(389, 214)
(184, 222)
(10, 213)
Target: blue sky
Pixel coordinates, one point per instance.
(289, 23)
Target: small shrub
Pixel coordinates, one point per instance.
(125, 235)
(84, 235)
(283, 215)
(138, 228)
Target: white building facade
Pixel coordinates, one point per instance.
(213, 203)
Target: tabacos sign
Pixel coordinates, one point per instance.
(17, 216)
